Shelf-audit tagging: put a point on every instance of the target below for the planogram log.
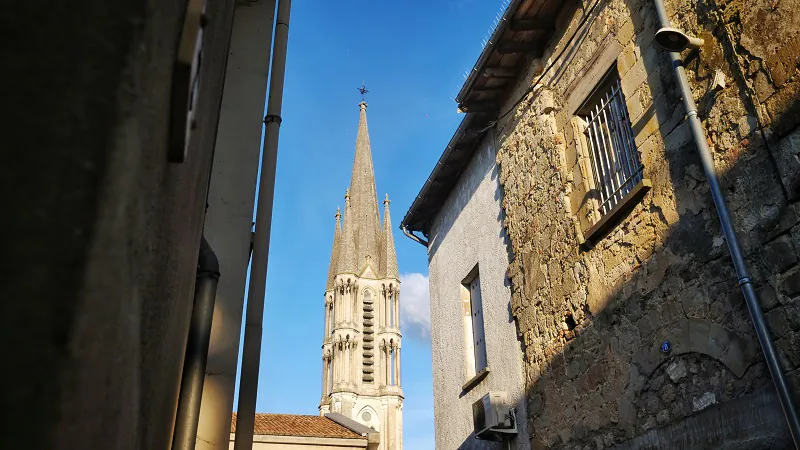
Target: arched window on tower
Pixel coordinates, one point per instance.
(390, 363)
(390, 313)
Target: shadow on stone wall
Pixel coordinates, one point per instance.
(663, 275)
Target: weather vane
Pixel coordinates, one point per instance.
(363, 90)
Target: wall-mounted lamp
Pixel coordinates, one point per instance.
(675, 40)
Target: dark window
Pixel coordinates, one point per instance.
(616, 168)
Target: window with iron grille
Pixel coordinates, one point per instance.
(609, 142)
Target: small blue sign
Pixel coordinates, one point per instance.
(666, 347)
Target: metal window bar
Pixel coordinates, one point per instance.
(614, 157)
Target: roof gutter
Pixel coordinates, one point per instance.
(488, 49)
(373, 437)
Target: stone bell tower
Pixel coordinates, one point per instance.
(361, 347)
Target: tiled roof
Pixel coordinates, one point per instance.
(296, 425)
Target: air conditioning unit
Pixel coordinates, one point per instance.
(493, 418)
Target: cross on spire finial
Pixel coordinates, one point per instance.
(386, 201)
(363, 90)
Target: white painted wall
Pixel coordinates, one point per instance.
(469, 231)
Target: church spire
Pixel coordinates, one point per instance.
(389, 256)
(364, 199)
(361, 350)
(335, 251)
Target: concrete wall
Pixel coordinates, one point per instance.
(468, 231)
(102, 233)
(663, 272)
(229, 217)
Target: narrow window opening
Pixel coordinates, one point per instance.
(616, 167)
(474, 336)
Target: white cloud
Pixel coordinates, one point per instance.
(415, 310)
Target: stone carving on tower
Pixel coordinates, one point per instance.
(362, 343)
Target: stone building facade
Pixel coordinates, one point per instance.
(634, 331)
(362, 340)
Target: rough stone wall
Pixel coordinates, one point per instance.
(467, 231)
(664, 272)
(102, 232)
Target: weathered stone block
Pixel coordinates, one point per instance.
(644, 128)
(626, 59)
(718, 340)
(783, 348)
(790, 282)
(678, 336)
(699, 331)
(792, 313)
(767, 297)
(678, 138)
(789, 217)
(635, 77)
(625, 33)
(676, 371)
(646, 359)
(735, 358)
(779, 255)
(704, 401)
(776, 320)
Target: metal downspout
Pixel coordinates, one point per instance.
(742, 272)
(251, 350)
(194, 366)
(414, 237)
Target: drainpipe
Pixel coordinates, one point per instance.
(414, 237)
(194, 365)
(742, 272)
(251, 350)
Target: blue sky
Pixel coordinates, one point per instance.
(412, 56)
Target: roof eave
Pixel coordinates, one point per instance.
(478, 68)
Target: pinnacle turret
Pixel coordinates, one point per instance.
(388, 256)
(335, 251)
(347, 256)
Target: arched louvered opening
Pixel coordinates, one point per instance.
(368, 369)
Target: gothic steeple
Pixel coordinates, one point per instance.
(364, 199)
(388, 256)
(362, 344)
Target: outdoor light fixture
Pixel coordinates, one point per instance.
(675, 40)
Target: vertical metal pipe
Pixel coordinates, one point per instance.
(251, 351)
(194, 366)
(742, 271)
